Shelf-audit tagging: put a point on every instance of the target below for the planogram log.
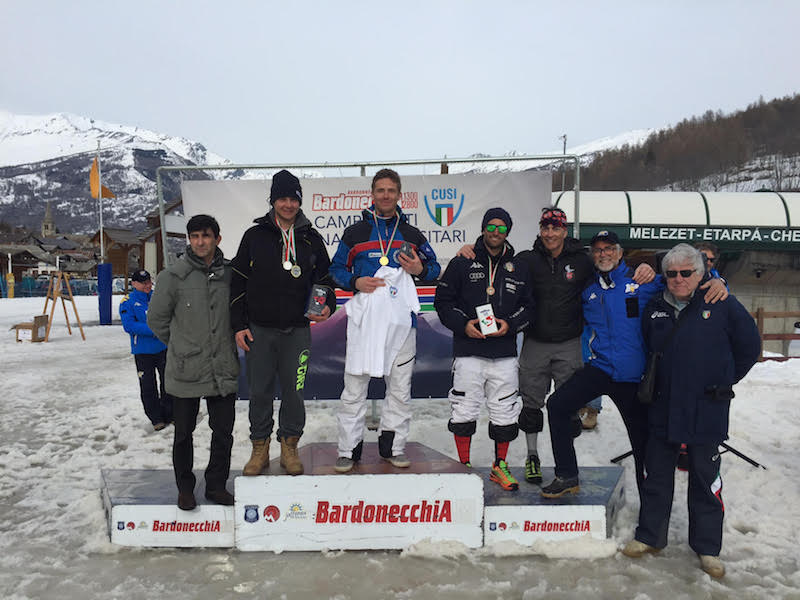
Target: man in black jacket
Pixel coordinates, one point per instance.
(278, 261)
(485, 365)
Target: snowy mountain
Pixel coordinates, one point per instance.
(586, 151)
(48, 158)
(26, 139)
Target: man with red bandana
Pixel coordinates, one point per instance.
(560, 269)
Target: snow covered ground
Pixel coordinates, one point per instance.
(71, 407)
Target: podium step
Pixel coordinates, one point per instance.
(374, 506)
(141, 505)
(524, 516)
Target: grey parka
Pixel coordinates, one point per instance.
(189, 312)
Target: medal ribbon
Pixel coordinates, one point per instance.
(288, 244)
(378, 231)
(492, 271)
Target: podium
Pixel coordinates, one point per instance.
(374, 506)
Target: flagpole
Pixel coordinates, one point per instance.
(100, 198)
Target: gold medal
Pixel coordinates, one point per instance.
(490, 291)
(384, 260)
(296, 271)
(287, 264)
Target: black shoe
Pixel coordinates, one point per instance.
(223, 497)
(186, 501)
(558, 487)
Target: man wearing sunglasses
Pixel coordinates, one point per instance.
(485, 365)
(704, 351)
(710, 255)
(612, 307)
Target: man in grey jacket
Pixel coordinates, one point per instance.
(189, 313)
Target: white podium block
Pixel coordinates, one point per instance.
(142, 511)
(524, 516)
(374, 506)
(392, 511)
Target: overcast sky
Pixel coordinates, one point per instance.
(266, 82)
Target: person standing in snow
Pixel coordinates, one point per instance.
(190, 313)
(613, 304)
(381, 248)
(278, 261)
(559, 269)
(485, 367)
(149, 353)
(703, 350)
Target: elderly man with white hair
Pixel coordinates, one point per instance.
(703, 350)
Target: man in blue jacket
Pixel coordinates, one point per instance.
(365, 247)
(149, 353)
(485, 366)
(612, 307)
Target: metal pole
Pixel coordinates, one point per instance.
(576, 230)
(100, 198)
(563, 170)
(162, 217)
(362, 166)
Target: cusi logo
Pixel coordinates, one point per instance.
(444, 205)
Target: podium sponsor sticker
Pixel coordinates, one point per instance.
(390, 511)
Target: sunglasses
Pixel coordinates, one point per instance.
(500, 228)
(684, 273)
(709, 259)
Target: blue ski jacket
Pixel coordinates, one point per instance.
(133, 312)
(613, 305)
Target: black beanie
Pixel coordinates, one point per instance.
(497, 213)
(285, 185)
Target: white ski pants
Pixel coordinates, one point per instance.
(396, 410)
(491, 381)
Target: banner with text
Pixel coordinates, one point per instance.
(447, 208)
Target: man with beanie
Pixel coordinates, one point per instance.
(383, 241)
(278, 262)
(485, 365)
(149, 353)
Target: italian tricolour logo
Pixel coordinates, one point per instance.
(444, 205)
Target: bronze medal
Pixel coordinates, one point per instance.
(296, 271)
(490, 291)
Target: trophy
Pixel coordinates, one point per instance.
(317, 300)
(486, 319)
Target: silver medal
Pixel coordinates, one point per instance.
(287, 264)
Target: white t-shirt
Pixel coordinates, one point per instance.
(378, 323)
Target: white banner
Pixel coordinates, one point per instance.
(446, 208)
(357, 511)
